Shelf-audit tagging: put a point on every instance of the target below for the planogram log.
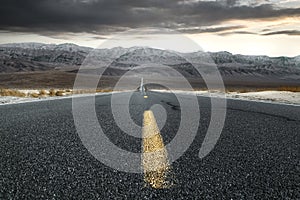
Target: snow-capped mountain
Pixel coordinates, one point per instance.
(37, 56)
(41, 46)
(140, 56)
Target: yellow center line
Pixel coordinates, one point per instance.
(155, 157)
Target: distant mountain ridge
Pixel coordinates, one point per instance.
(24, 57)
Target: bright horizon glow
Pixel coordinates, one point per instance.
(276, 45)
(246, 44)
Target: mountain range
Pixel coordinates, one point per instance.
(28, 57)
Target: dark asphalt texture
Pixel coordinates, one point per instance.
(256, 157)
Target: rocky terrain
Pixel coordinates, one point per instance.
(67, 58)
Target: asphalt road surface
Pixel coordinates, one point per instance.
(256, 157)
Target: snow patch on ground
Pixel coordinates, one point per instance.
(273, 96)
(4, 100)
(11, 100)
(264, 96)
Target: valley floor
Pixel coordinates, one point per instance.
(285, 97)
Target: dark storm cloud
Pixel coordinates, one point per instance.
(284, 32)
(105, 17)
(237, 32)
(210, 30)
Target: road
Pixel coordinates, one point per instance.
(256, 157)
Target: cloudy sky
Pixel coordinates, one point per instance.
(270, 27)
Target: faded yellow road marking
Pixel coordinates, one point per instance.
(154, 158)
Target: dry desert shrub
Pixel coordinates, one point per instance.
(104, 90)
(10, 92)
(289, 88)
(239, 90)
(244, 90)
(52, 92)
(34, 95)
(86, 91)
(60, 93)
(43, 93)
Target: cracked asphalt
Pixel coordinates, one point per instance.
(256, 157)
